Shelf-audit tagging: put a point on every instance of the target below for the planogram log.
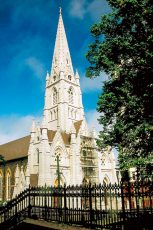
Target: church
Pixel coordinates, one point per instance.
(62, 150)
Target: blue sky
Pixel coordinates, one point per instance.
(27, 37)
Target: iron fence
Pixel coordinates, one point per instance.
(116, 206)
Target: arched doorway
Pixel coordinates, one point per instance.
(56, 183)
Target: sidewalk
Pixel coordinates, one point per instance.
(41, 224)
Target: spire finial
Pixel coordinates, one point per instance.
(33, 126)
(60, 10)
(47, 76)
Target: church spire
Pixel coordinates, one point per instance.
(61, 58)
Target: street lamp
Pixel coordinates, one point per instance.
(58, 173)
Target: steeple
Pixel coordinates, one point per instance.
(61, 58)
(63, 98)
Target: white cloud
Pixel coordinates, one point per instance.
(23, 59)
(79, 8)
(97, 8)
(36, 66)
(93, 84)
(14, 127)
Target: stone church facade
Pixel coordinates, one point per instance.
(62, 150)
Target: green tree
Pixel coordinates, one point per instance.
(2, 159)
(123, 48)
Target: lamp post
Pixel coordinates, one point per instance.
(58, 173)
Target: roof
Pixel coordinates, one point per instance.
(77, 125)
(15, 149)
(51, 135)
(66, 138)
(19, 148)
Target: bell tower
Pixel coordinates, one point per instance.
(63, 97)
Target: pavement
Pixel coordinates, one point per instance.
(41, 224)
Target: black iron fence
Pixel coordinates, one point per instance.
(117, 206)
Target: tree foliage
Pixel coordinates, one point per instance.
(2, 159)
(123, 48)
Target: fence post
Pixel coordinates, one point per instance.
(90, 205)
(29, 201)
(137, 197)
(129, 194)
(16, 209)
(122, 197)
(4, 214)
(150, 195)
(65, 208)
(45, 203)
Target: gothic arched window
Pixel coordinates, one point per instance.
(58, 152)
(8, 185)
(37, 156)
(70, 77)
(71, 95)
(55, 115)
(72, 113)
(54, 78)
(106, 180)
(75, 114)
(51, 115)
(54, 96)
(1, 186)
